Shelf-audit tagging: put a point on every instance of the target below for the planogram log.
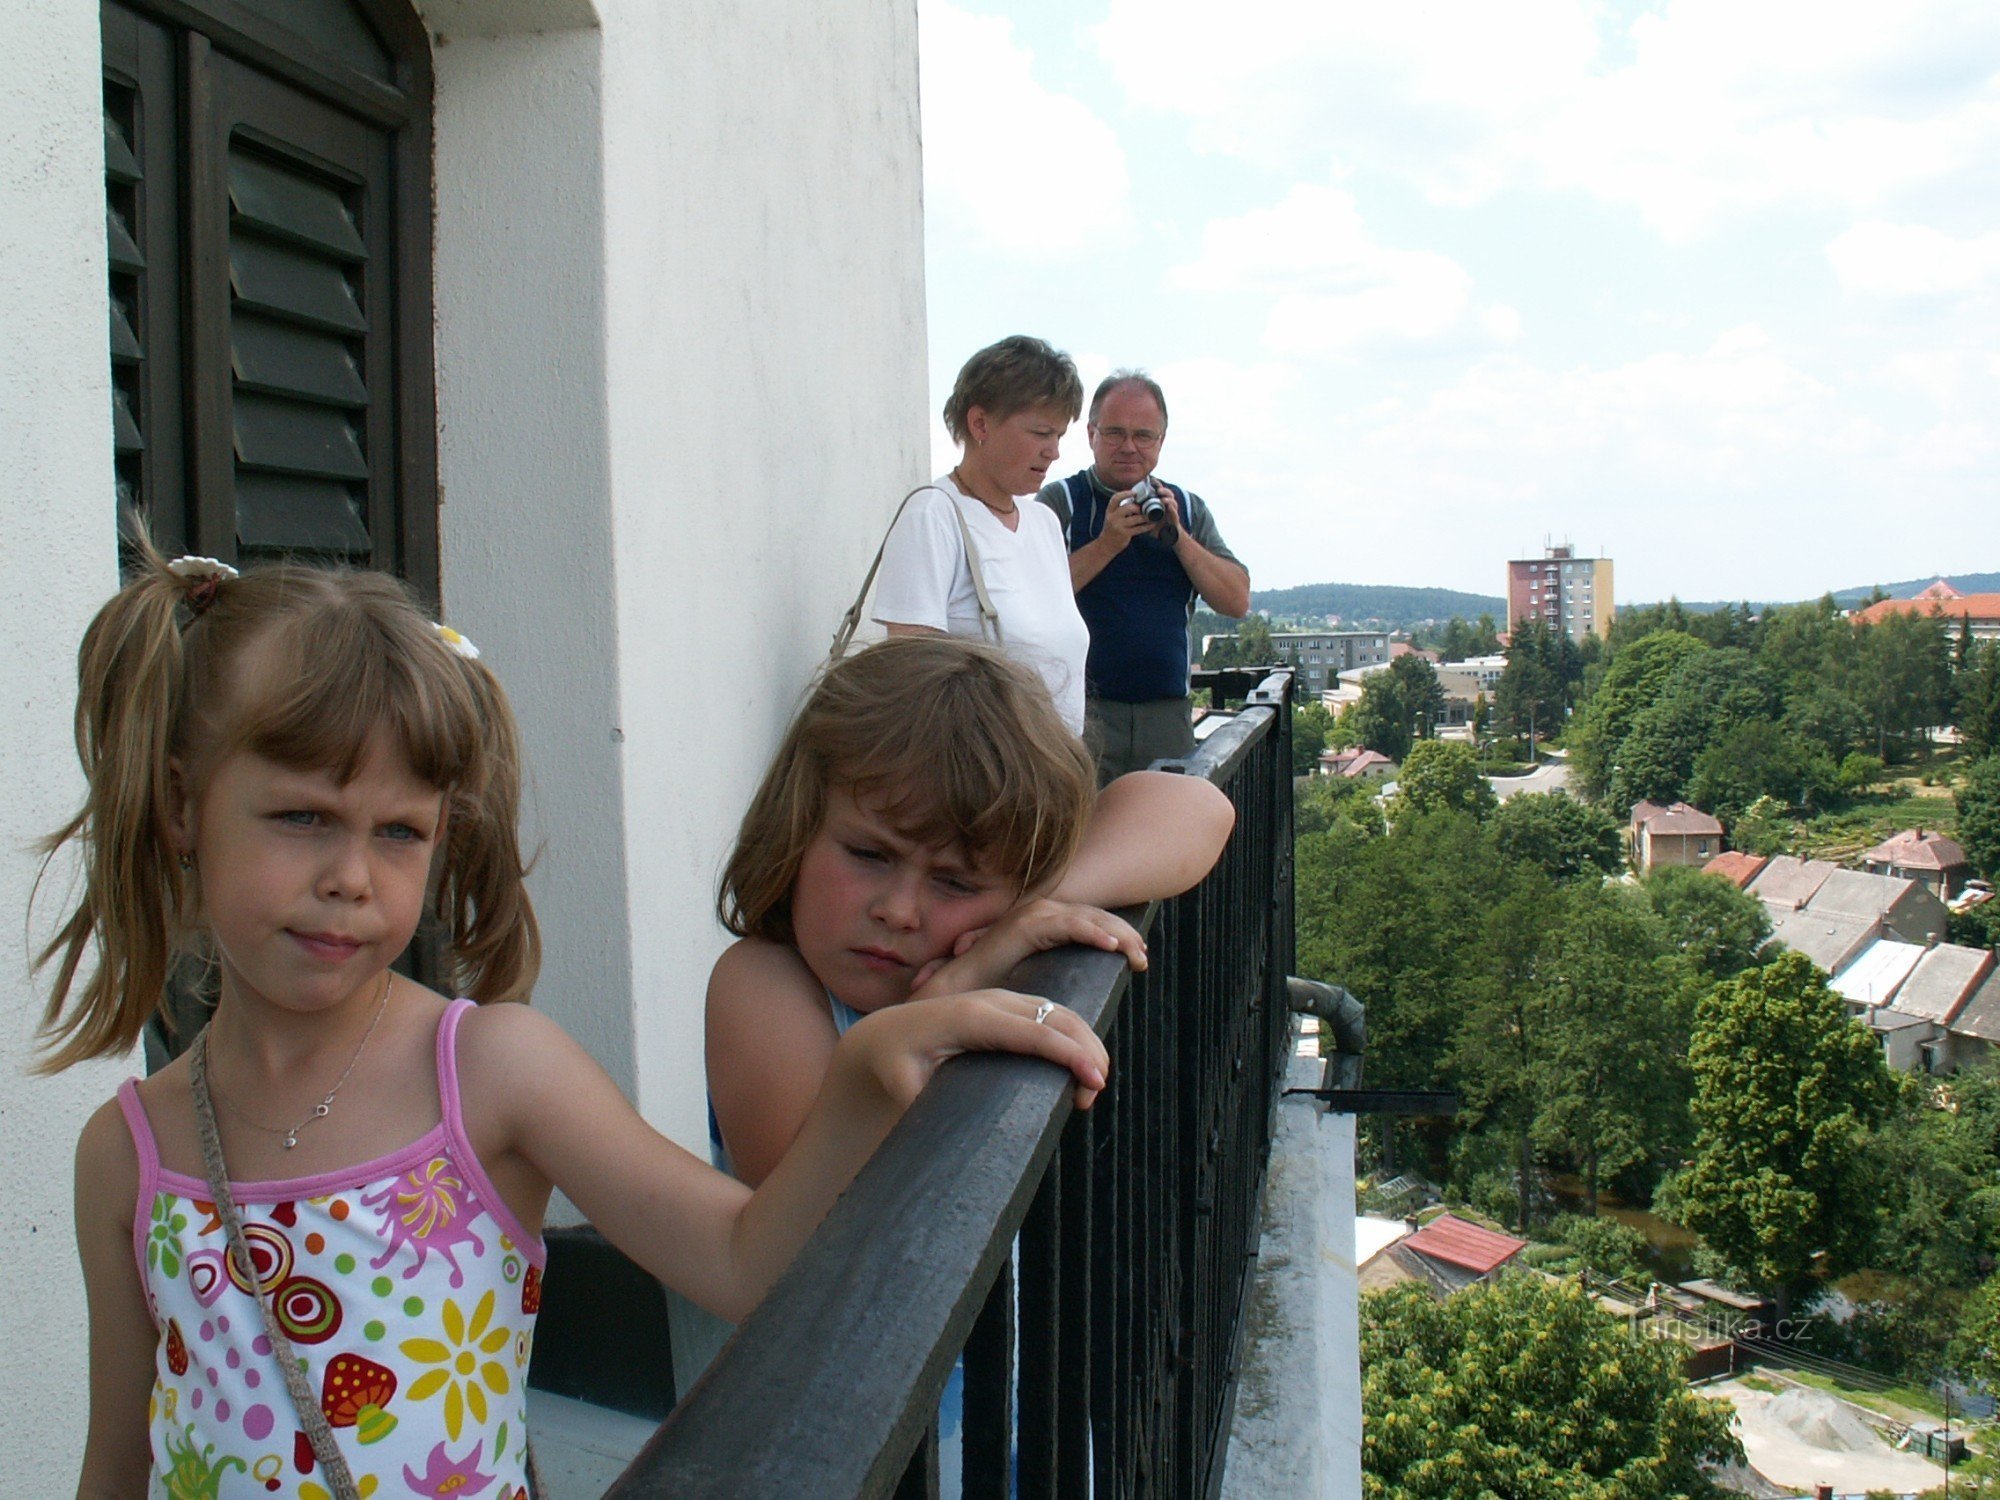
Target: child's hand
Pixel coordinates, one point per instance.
(987, 955)
(900, 1046)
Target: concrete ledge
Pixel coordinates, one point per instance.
(1297, 1431)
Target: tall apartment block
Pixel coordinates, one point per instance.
(1566, 592)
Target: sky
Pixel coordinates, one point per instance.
(1708, 287)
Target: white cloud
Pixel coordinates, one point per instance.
(1682, 112)
(1337, 289)
(1913, 260)
(1007, 162)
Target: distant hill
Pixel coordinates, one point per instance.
(1965, 583)
(1384, 605)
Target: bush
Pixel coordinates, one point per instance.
(1609, 1248)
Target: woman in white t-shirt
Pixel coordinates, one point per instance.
(1008, 411)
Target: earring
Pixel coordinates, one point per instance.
(187, 862)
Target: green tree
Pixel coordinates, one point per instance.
(1533, 692)
(1704, 696)
(1786, 1089)
(1607, 1248)
(1902, 677)
(1975, 1348)
(1977, 690)
(1609, 1081)
(1441, 776)
(1381, 719)
(1525, 1388)
(1324, 800)
(1978, 799)
(1759, 758)
(1763, 828)
(1715, 927)
(1312, 723)
(1631, 683)
(1250, 646)
(1566, 839)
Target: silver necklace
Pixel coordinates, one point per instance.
(325, 1106)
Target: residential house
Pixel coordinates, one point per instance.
(1975, 1030)
(1787, 883)
(1832, 941)
(1939, 989)
(1925, 856)
(1447, 1255)
(1673, 835)
(1906, 909)
(1357, 764)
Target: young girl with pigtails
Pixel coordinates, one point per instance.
(311, 1244)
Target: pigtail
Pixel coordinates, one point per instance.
(482, 897)
(131, 684)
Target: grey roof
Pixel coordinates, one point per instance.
(1888, 1018)
(1943, 981)
(1856, 893)
(1788, 881)
(1829, 939)
(1876, 974)
(1980, 1016)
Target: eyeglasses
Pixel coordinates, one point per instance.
(1143, 437)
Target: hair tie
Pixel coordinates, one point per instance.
(456, 643)
(200, 577)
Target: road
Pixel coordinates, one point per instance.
(1549, 776)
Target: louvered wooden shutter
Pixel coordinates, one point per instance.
(269, 237)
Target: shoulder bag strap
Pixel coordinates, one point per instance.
(989, 617)
(319, 1432)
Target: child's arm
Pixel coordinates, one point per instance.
(770, 1041)
(986, 957)
(116, 1455)
(1152, 834)
(703, 1233)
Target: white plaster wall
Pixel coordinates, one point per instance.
(55, 493)
(766, 378)
(525, 519)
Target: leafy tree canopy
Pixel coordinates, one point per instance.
(1978, 800)
(1525, 1387)
(1441, 776)
(1787, 1086)
(1565, 838)
(1631, 683)
(1717, 928)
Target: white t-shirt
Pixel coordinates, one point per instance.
(925, 581)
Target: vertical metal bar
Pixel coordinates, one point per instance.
(989, 1395)
(1042, 1377)
(1072, 1172)
(920, 1479)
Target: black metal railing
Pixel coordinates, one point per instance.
(1091, 1269)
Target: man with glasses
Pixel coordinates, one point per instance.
(1137, 577)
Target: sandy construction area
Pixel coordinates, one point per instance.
(1806, 1437)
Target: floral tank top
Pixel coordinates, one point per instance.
(407, 1288)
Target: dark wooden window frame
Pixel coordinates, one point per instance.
(197, 76)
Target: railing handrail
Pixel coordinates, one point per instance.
(817, 1380)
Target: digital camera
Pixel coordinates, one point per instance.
(1148, 500)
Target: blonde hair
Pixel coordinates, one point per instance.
(302, 666)
(962, 746)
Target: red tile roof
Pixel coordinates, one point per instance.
(1964, 606)
(1916, 849)
(1738, 868)
(1459, 1242)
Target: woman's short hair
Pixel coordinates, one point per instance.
(956, 743)
(1014, 375)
